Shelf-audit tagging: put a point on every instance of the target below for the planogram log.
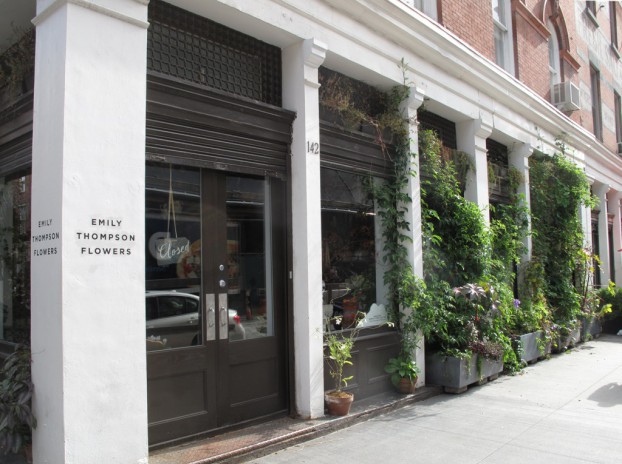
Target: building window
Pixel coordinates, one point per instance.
(596, 104)
(15, 259)
(613, 25)
(554, 63)
(351, 273)
(504, 56)
(590, 11)
(427, 7)
(618, 116)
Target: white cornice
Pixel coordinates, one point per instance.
(56, 4)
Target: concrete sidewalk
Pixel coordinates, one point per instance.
(567, 409)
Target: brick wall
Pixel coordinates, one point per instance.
(585, 42)
(472, 22)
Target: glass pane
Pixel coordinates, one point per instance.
(15, 258)
(248, 257)
(351, 272)
(173, 257)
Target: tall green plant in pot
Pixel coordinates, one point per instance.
(338, 355)
(16, 387)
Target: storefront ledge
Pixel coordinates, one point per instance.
(262, 439)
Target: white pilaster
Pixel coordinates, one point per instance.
(519, 159)
(472, 137)
(413, 211)
(88, 169)
(600, 190)
(614, 208)
(300, 93)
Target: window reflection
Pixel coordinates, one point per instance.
(15, 197)
(350, 266)
(249, 255)
(173, 257)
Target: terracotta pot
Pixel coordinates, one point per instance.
(28, 452)
(350, 310)
(405, 385)
(338, 404)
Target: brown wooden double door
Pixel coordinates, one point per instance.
(215, 302)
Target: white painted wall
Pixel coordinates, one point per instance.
(88, 310)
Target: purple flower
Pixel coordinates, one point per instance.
(516, 303)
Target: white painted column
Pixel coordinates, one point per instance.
(614, 207)
(413, 211)
(471, 138)
(518, 158)
(88, 170)
(300, 93)
(600, 190)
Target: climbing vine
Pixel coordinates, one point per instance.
(558, 189)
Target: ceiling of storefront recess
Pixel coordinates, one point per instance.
(15, 16)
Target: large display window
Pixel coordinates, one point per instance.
(352, 274)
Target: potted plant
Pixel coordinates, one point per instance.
(16, 417)
(404, 372)
(339, 355)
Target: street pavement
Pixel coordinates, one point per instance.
(566, 410)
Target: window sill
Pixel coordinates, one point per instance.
(592, 17)
(615, 51)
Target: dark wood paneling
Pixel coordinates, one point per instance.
(352, 151)
(187, 124)
(372, 350)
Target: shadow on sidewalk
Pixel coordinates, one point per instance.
(608, 395)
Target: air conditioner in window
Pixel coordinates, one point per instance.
(566, 96)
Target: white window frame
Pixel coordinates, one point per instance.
(554, 60)
(501, 17)
(427, 7)
(597, 110)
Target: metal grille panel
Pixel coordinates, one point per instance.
(196, 49)
(444, 128)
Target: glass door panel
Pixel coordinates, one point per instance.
(249, 244)
(173, 259)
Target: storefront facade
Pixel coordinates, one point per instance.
(190, 217)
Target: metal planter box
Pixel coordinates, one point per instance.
(456, 374)
(590, 328)
(533, 347)
(562, 343)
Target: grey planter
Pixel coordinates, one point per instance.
(533, 347)
(455, 374)
(591, 327)
(570, 340)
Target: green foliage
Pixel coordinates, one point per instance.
(558, 189)
(402, 368)
(457, 243)
(610, 296)
(18, 61)
(339, 346)
(16, 417)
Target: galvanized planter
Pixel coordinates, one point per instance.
(456, 374)
(561, 344)
(591, 327)
(533, 346)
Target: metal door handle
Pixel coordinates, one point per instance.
(210, 305)
(211, 316)
(224, 316)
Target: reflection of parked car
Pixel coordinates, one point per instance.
(173, 320)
